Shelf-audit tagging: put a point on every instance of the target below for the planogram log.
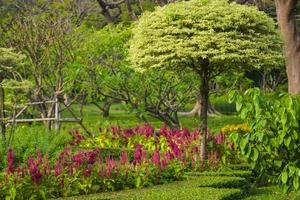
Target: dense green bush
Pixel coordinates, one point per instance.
(26, 141)
(272, 144)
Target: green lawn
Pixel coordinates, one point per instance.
(118, 115)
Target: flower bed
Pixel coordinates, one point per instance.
(156, 158)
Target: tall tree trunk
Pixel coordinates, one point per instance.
(204, 93)
(2, 113)
(286, 15)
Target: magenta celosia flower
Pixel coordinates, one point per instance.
(175, 150)
(137, 157)
(34, 170)
(128, 132)
(70, 169)
(88, 171)
(19, 170)
(156, 158)
(58, 168)
(39, 157)
(46, 165)
(163, 163)
(36, 175)
(10, 161)
(111, 164)
(169, 156)
(78, 158)
(196, 149)
(91, 156)
(123, 158)
(115, 131)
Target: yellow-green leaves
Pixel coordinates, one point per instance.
(181, 34)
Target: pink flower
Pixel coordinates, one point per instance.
(58, 168)
(70, 169)
(156, 158)
(123, 158)
(10, 161)
(88, 171)
(78, 158)
(36, 175)
(137, 157)
(111, 164)
(163, 163)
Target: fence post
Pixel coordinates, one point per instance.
(57, 115)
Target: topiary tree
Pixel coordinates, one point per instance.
(209, 37)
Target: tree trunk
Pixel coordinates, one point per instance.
(286, 15)
(105, 11)
(2, 113)
(106, 109)
(204, 93)
(130, 11)
(211, 111)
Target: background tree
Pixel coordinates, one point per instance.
(108, 78)
(48, 42)
(10, 64)
(286, 15)
(208, 37)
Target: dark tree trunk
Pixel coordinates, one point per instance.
(2, 113)
(286, 15)
(105, 11)
(106, 109)
(130, 11)
(204, 94)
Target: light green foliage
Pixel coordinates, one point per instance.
(272, 145)
(101, 60)
(10, 62)
(182, 34)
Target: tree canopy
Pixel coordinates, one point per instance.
(185, 33)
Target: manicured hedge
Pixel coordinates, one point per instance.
(234, 173)
(196, 188)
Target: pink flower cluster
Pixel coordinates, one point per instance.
(85, 163)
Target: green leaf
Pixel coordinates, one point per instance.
(255, 154)
(284, 177)
(138, 182)
(296, 183)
